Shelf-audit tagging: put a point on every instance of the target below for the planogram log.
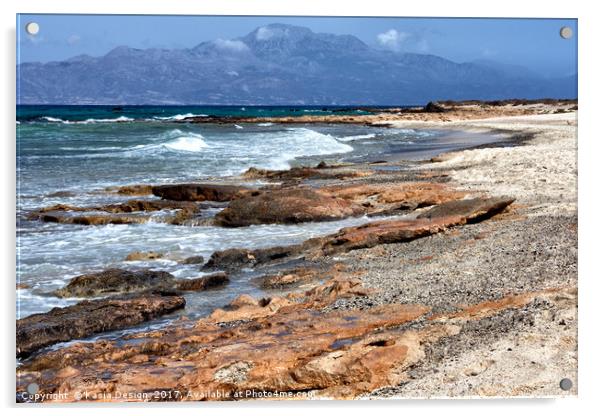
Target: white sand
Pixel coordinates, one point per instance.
(541, 174)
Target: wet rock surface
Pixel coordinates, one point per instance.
(199, 192)
(113, 281)
(203, 283)
(285, 206)
(90, 317)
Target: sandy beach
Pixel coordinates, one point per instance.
(462, 283)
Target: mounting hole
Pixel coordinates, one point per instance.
(32, 28)
(566, 32)
(566, 384)
(33, 388)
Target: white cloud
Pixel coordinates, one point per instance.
(73, 39)
(392, 39)
(264, 33)
(231, 45)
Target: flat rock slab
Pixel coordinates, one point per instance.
(90, 317)
(476, 209)
(112, 281)
(199, 192)
(285, 206)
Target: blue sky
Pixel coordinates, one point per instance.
(533, 43)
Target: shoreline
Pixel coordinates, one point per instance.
(438, 273)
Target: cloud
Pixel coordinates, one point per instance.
(393, 39)
(73, 39)
(264, 33)
(231, 45)
(397, 41)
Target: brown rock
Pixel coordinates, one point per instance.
(199, 192)
(285, 206)
(379, 198)
(115, 281)
(203, 283)
(137, 190)
(335, 354)
(142, 256)
(90, 317)
(321, 171)
(194, 260)
(476, 209)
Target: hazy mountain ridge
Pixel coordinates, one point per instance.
(276, 64)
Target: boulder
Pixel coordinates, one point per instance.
(199, 192)
(90, 317)
(113, 281)
(143, 256)
(194, 260)
(203, 283)
(285, 206)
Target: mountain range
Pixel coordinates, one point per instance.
(277, 64)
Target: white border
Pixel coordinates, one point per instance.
(590, 137)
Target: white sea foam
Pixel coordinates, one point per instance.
(179, 117)
(238, 127)
(121, 119)
(357, 137)
(265, 124)
(174, 140)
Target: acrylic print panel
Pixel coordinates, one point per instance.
(251, 208)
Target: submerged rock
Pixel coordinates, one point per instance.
(112, 281)
(199, 192)
(90, 317)
(285, 206)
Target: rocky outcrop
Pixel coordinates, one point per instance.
(271, 345)
(130, 212)
(90, 317)
(367, 235)
(203, 283)
(285, 206)
(137, 190)
(295, 174)
(388, 198)
(113, 281)
(143, 256)
(299, 275)
(199, 192)
(476, 209)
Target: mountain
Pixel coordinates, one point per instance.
(272, 65)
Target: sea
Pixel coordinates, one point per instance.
(71, 154)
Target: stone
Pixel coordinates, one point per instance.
(143, 256)
(194, 260)
(285, 206)
(203, 283)
(113, 281)
(199, 192)
(90, 317)
(476, 209)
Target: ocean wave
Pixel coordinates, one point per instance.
(265, 124)
(179, 117)
(121, 119)
(175, 141)
(357, 137)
